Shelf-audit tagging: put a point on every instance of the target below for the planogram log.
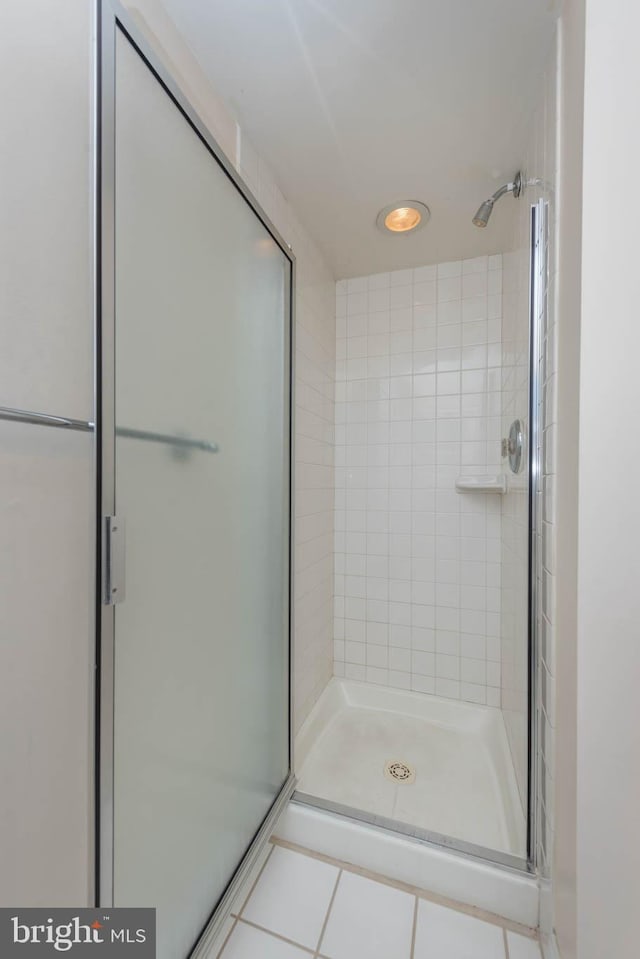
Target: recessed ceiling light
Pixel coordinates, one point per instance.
(405, 217)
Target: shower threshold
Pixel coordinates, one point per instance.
(457, 784)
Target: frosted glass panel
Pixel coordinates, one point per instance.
(201, 640)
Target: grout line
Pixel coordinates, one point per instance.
(276, 935)
(227, 938)
(506, 944)
(414, 930)
(326, 918)
(254, 884)
(475, 911)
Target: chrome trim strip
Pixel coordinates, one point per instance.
(460, 847)
(538, 284)
(291, 346)
(94, 661)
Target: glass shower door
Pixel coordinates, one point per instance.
(199, 448)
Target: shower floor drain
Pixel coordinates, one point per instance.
(399, 772)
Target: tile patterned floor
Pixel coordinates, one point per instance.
(302, 907)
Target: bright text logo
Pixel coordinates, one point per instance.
(31, 933)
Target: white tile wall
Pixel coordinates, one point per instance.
(314, 440)
(418, 380)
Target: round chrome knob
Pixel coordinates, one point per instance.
(515, 446)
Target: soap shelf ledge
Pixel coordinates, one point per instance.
(482, 484)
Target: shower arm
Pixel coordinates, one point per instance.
(514, 187)
(507, 188)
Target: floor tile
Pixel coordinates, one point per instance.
(454, 935)
(246, 942)
(368, 920)
(522, 948)
(292, 896)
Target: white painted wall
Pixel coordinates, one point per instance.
(559, 909)
(46, 485)
(608, 758)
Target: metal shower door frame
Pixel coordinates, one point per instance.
(538, 303)
(111, 17)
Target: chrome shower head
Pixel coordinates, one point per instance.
(484, 212)
(486, 209)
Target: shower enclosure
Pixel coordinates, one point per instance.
(194, 335)
(429, 726)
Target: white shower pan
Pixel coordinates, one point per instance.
(460, 781)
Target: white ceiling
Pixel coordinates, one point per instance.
(359, 103)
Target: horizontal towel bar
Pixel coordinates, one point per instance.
(45, 419)
(176, 441)
(86, 426)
